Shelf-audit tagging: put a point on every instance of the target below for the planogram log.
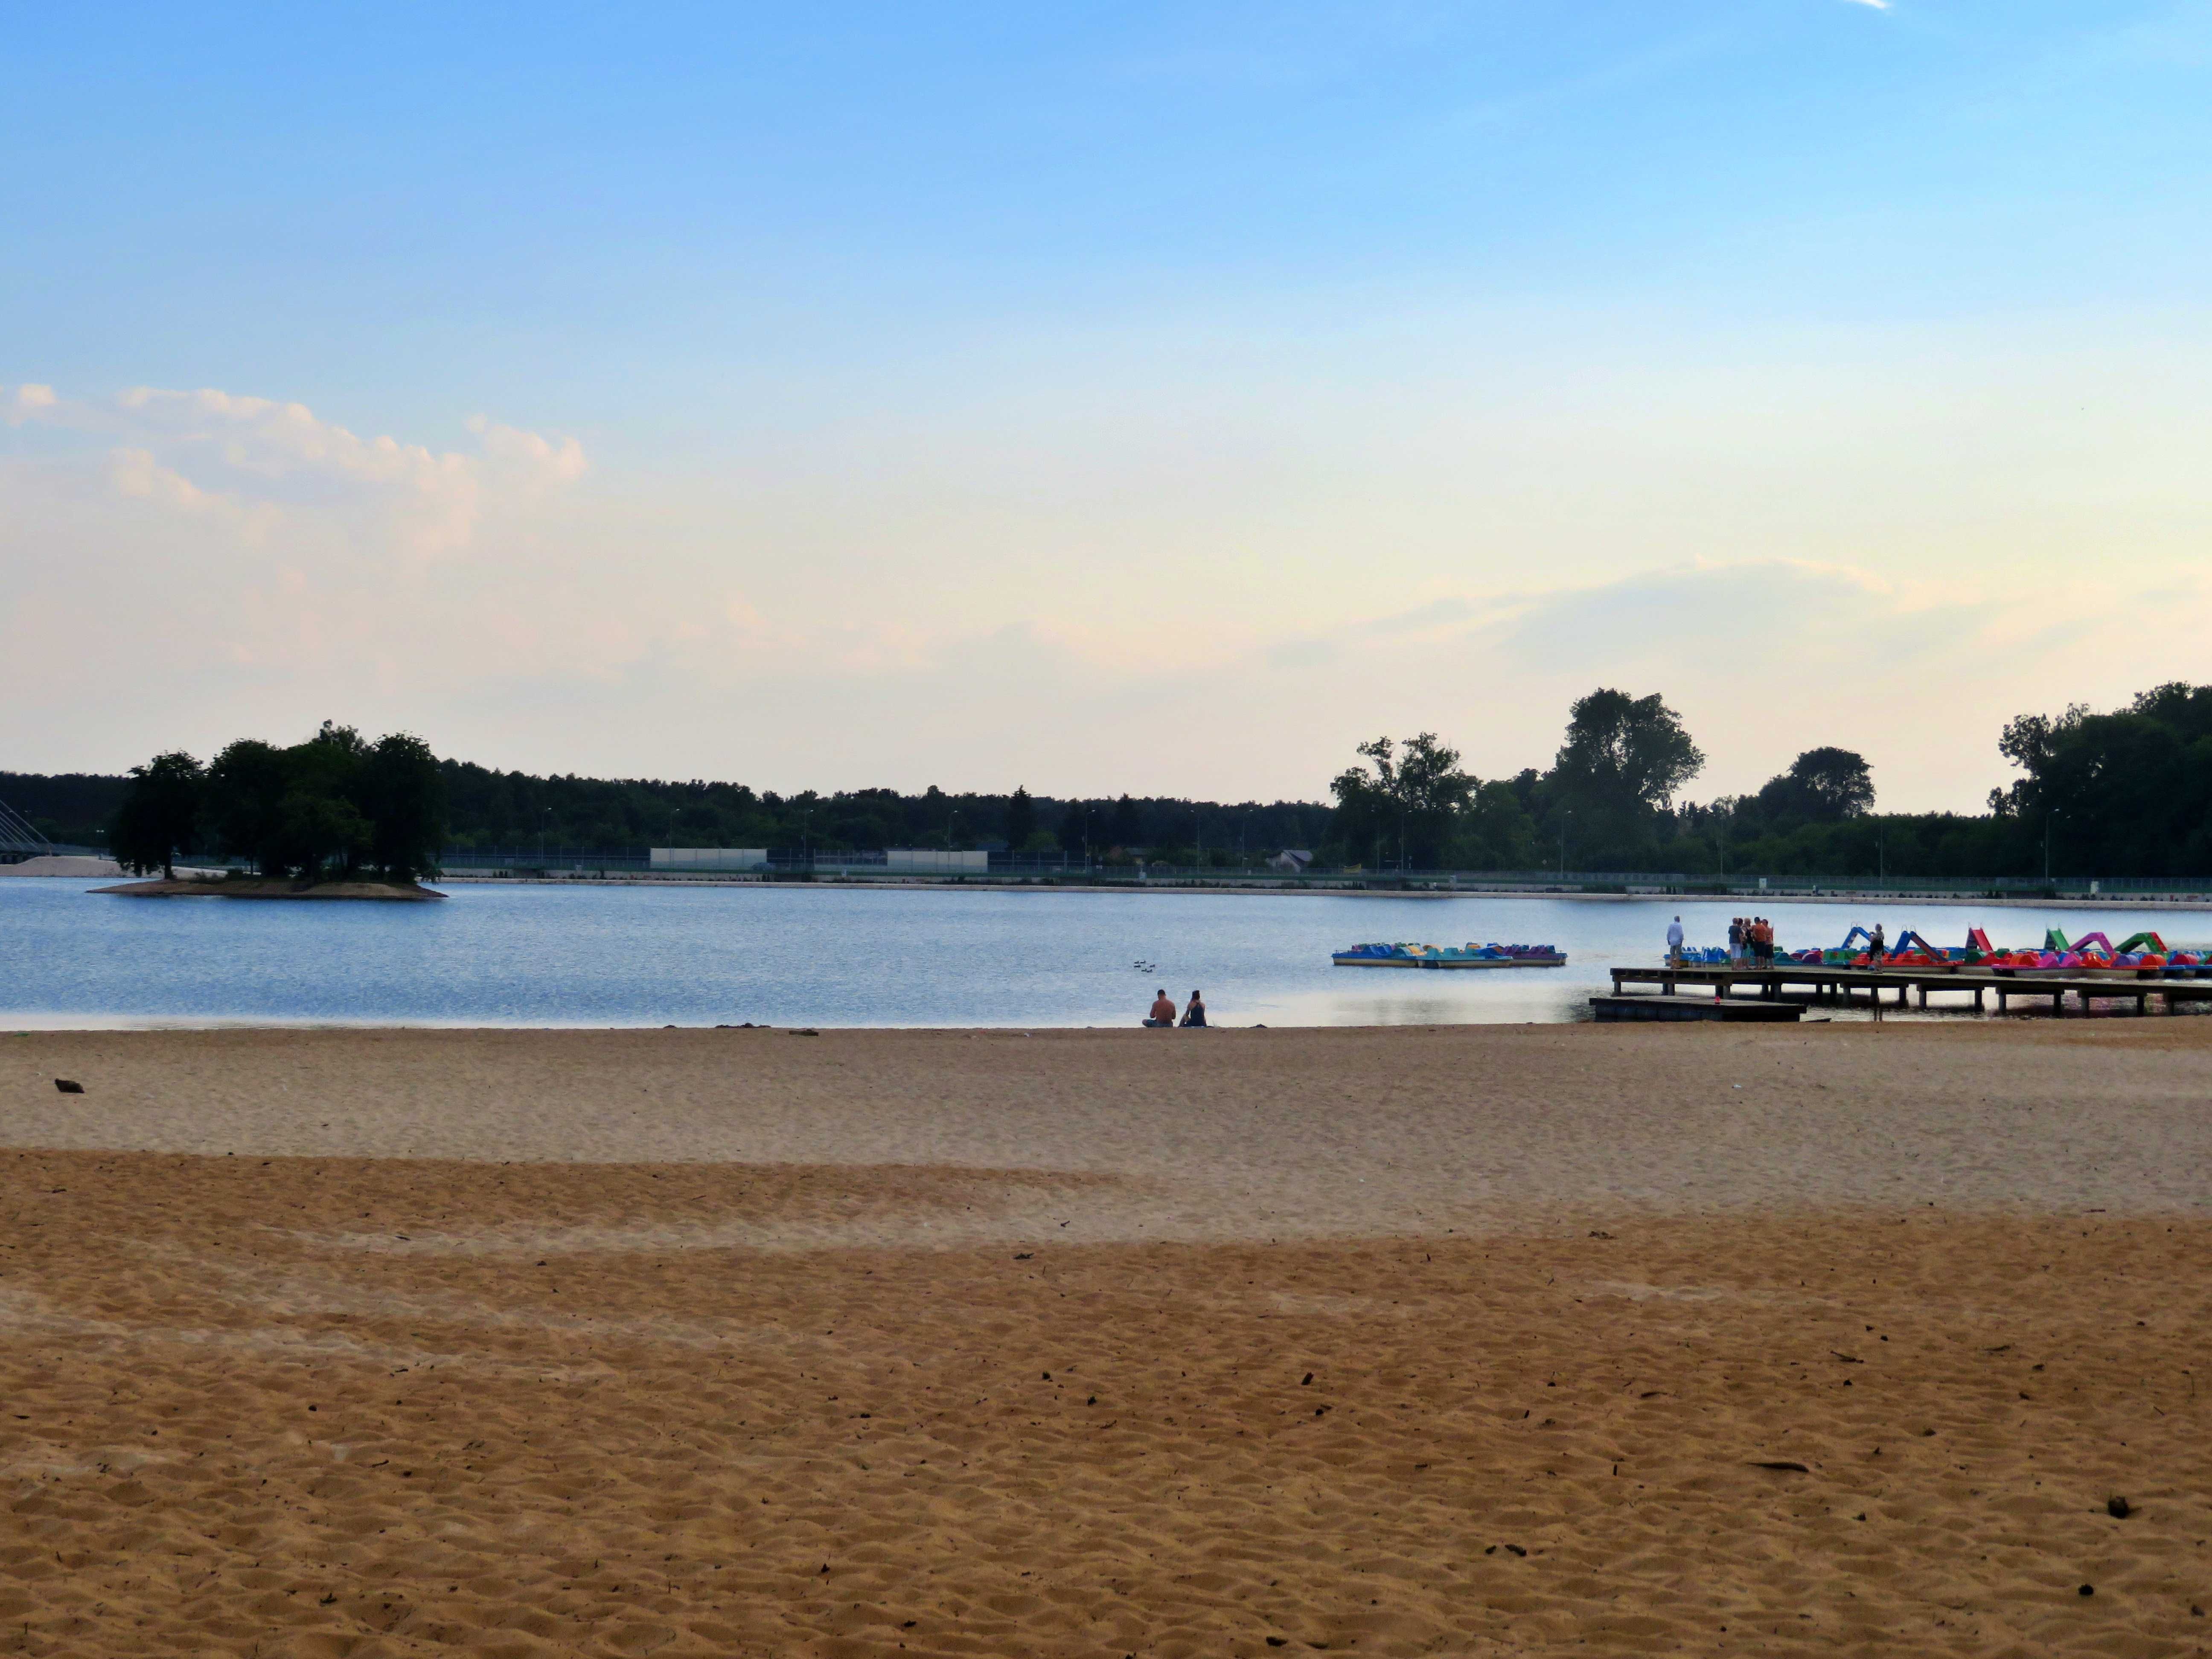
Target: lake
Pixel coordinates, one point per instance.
(527, 954)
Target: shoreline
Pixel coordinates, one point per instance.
(1262, 890)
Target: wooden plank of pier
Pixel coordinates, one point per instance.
(1834, 983)
(1730, 1009)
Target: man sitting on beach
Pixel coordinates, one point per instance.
(1164, 1011)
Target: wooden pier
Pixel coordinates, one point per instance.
(1847, 986)
(1730, 1009)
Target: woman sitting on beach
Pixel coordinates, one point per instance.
(1195, 1014)
(1162, 1015)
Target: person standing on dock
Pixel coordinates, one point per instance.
(1674, 943)
(1877, 948)
(1735, 940)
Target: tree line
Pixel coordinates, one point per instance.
(2125, 793)
(518, 810)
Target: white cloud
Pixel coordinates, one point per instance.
(1872, 5)
(424, 503)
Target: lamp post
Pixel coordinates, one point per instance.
(1564, 816)
(2047, 818)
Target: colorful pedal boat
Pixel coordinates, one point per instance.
(1470, 955)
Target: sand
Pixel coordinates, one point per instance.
(61, 863)
(689, 1343)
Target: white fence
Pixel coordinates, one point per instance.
(707, 857)
(923, 861)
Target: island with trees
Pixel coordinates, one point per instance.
(335, 817)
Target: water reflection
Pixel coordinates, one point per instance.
(557, 955)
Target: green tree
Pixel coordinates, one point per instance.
(1406, 800)
(1074, 830)
(329, 804)
(1128, 831)
(160, 814)
(401, 791)
(1021, 819)
(1623, 760)
(1494, 832)
(2128, 793)
(323, 835)
(1822, 786)
(246, 789)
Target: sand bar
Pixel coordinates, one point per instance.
(690, 1343)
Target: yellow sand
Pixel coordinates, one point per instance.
(300, 1367)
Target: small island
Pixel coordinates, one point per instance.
(334, 818)
(265, 887)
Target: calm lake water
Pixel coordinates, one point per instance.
(557, 955)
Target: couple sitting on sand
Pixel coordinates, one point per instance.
(1163, 1017)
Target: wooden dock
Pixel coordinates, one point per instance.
(1844, 986)
(1731, 1009)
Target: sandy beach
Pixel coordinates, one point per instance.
(1451, 1341)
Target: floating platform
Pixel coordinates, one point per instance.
(1449, 955)
(1731, 1009)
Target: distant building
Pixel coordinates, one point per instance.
(1292, 859)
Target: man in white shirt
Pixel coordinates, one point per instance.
(1674, 943)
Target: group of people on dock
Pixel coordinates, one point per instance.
(1163, 1017)
(1751, 941)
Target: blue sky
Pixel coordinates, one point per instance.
(979, 394)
